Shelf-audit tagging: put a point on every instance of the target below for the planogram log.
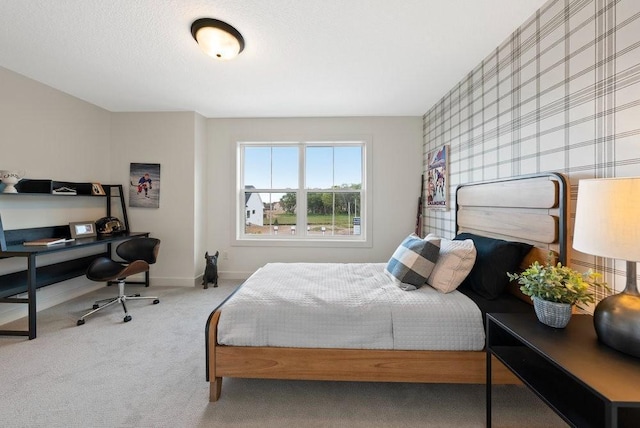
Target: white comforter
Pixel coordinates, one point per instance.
(354, 305)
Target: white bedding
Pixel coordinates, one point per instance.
(353, 305)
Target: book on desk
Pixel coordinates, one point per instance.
(47, 241)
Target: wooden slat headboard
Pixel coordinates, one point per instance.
(530, 208)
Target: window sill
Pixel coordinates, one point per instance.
(305, 243)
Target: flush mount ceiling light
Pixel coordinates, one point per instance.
(217, 39)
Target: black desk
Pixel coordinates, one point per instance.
(585, 382)
(35, 277)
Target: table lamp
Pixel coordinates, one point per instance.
(608, 225)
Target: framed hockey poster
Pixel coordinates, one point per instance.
(437, 178)
(145, 185)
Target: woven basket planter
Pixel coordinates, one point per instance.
(553, 314)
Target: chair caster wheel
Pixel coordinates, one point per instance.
(80, 322)
(96, 306)
(156, 301)
(127, 318)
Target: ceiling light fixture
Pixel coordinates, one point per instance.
(217, 39)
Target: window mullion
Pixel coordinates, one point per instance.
(301, 215)
(271, 167)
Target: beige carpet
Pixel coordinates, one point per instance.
(150, 372)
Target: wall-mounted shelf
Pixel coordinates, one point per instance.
(110, 191)
(53, 187)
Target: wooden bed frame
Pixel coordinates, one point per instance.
(530, 208)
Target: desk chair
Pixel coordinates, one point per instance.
(138, 254)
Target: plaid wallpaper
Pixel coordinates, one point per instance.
(562, 94)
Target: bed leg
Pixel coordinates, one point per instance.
(215, 382)
(215, 388)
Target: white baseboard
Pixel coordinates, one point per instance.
(232, 275)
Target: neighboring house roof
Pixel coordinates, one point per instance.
(247, 195)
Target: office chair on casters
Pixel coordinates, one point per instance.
(138, 254)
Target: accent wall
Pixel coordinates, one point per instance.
(562, 93)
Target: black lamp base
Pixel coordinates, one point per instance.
(617, 318)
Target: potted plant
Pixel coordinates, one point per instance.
(554, 290)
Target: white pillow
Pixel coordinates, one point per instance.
(455, 261)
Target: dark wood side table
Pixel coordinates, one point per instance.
(585, 382)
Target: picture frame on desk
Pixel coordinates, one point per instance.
(82, 229)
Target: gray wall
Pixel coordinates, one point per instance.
(561, 94)
(396, 153)
(174, 140)
(50, 135)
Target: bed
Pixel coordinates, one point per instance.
(529, 210)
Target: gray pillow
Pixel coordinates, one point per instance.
(413, 261)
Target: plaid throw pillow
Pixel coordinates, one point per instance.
(413, 261)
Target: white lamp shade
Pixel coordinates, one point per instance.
(218, 43)
(608, 218)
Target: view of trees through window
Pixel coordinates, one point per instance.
(322, 207)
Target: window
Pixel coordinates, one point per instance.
(313, 190)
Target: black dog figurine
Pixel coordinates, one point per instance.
(211, 270)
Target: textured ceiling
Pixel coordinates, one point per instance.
(302, 57)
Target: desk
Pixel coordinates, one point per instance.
(585, 382)
(35, 277)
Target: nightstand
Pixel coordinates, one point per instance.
(585, 382)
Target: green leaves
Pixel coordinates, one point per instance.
(558, 283)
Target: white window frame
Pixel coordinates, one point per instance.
(239, 238)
